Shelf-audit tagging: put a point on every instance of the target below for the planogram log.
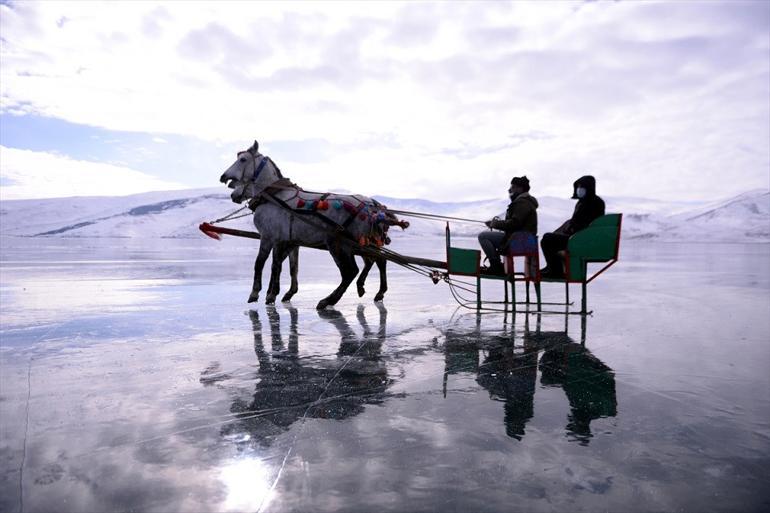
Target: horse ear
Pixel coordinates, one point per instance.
(255, 148)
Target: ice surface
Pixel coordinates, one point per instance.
(134, 377)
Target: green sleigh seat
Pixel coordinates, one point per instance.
(598, 243)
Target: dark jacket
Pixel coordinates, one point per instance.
(521, 215)
(587, 209)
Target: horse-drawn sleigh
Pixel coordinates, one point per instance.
(287, 217)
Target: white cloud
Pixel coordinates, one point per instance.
(648, 96)
(30, 174)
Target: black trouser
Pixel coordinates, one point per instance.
(552, 243)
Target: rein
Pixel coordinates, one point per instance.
(436, 217)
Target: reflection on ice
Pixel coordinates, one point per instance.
(34, 299)
(509, 372)
(289, 388)
(588, 383)
(248, 485)
(150, 387)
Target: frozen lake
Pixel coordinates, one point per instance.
(134, 377)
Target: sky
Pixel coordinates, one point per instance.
(443, 101)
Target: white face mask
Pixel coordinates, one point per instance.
(581, 192)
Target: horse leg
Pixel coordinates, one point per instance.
(348, 340)
(343, 257)
(293, 268)
(293, 334)
(368, 262)
(275, 328)
(383, 321)
(381, 264)
(264, 251)
(262, 356)
(279, 255)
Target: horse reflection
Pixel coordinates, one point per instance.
(290, 387)
(509, 373)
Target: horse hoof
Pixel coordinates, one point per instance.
(361, 291)
(322, 304)
(270, 300)
(286, 297)
(378, 298)
(253, 298)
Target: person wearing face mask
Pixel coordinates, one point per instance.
(521, 215)
(589, 207)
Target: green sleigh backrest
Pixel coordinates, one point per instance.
(461, 260)
(597, 243)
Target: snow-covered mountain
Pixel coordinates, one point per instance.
(177, 214)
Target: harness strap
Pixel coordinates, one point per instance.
(353, 211)
(260, 167)
(338, 230)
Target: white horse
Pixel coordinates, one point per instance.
(286, 216)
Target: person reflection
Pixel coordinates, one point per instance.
(508, 371)
(510, 374)
(290, 387)
(588, 383)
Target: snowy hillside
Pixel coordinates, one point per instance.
(177, 214)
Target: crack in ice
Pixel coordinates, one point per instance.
(302, 424)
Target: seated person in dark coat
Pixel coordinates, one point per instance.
(521, 215)
(589, 207)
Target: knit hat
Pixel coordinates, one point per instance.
(521, 181)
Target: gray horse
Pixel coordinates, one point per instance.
(287, 216)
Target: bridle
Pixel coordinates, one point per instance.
(263, 160)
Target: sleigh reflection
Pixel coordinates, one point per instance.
(290, 387)
(507, 368)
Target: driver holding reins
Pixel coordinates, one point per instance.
(521, 215)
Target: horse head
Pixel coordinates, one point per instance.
(250, 174)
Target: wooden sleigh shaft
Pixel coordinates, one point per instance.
(214, 232)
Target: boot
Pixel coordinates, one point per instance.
(494, 269)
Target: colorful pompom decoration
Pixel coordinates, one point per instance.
(337, 204)
(300, 203)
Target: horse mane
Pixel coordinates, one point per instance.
(277, 169)
(284, 183)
